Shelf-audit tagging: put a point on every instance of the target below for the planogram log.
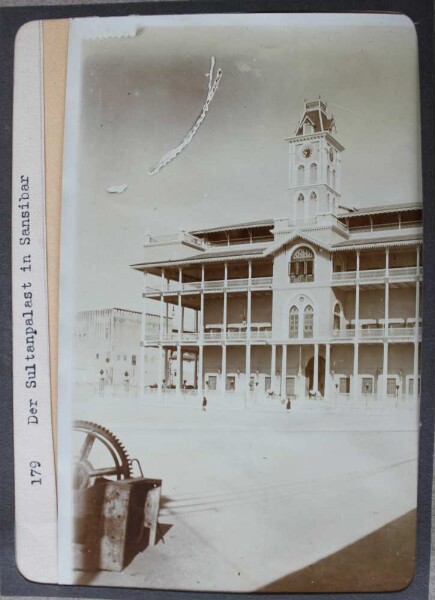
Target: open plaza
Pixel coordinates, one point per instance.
(252, 494)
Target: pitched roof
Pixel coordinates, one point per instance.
(381, 241)
(256, 252)
(320, 121)
(233, 226)
(380, 209)
(297, 233)
(227, 253)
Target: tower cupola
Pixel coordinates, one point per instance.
(314, 163)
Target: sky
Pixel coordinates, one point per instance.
(140, 94)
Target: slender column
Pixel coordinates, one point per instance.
(162, 308)
(385, 369)
(272, 366)
(316, 368)
(160, 369)
(415, 372)
(180, 308)
(200, 369)
(181, 367)
(180, 329)
(248, 369)
(166, 371)
(224, 331)
(143, 339)
(225, 304)
(357, 296)
(248, 330)
(387, 291)
(355, 370)
(283, 370)
(327, 390)
(201, 312)
(178, 377)
(416, 327)
(249, 303)
(224, 368)
(195, 373)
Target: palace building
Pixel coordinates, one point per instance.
(322, 303)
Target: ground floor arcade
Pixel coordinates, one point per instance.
(316, 370)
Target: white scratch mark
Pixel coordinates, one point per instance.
(117, 189)
(212, 87)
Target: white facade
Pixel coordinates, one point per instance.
(107, 348)
(321, 304)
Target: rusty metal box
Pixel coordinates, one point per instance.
(113, 521)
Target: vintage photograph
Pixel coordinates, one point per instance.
(240, 303)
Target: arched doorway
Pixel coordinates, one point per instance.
(309, 375)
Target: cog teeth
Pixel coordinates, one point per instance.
(99, 432)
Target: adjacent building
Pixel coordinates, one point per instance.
(107, 348)
(322, 303)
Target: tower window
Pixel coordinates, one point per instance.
(302, 265)
(308, 321)
(328, 175)
(308, 127)
(313, 196)
(301, 198)
(301, 175)
(293, 322)
(333, 178)
(313, 173)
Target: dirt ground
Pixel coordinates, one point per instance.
(253, 498)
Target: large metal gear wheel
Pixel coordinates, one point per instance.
(85, 471)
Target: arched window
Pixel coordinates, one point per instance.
(301, 198)
(333, 179)
(313, 173)
(328, 175)
(308, 127)
(337, 316)
(293, 330)
(308, 321)
(301, 175)
(313, 196)
(301, 266)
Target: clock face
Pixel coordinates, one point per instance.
(307, 151)
(331, 154)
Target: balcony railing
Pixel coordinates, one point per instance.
(266, 283)
(375, 333)
(344, 333)
(381, 226)
(211, 286)
(209, 336)
(377, 274)
(407, 333)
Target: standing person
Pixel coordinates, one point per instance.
(204, 404)
(289, 404)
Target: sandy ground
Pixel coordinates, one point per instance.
(250, 496)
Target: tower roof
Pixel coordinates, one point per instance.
(315, 113)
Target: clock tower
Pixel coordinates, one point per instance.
(314, 164)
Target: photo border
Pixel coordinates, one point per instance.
(11, 19)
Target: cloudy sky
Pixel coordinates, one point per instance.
(139, 96)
